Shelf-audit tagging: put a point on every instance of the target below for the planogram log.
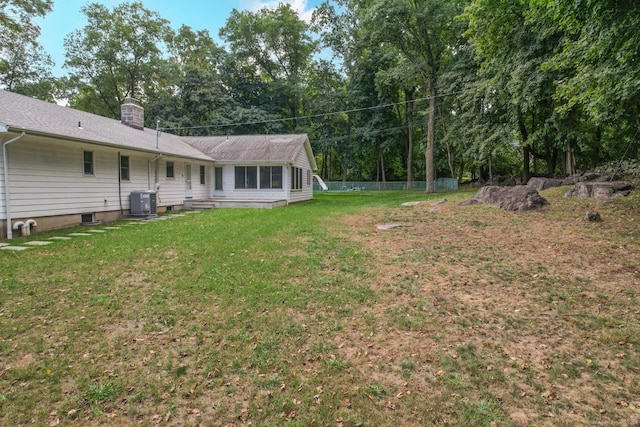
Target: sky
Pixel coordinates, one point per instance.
(208, 15)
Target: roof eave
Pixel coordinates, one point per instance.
(17, 130)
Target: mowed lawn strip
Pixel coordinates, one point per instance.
(310, 315)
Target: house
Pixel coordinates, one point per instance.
(63, 167)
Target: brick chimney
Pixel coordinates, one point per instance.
(132, 114)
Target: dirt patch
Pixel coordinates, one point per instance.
(536, 311)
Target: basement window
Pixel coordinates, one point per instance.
(87, 218)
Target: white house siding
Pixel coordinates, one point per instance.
(301, 161)
(200, 191)
(47, 179)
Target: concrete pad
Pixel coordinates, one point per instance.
(79, 234)
(177, 216)
(59, 238)
(14, 248)
(38, 243)
(3, 244)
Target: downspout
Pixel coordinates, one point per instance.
(7, 197)
(120, 183)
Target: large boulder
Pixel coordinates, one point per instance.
(540, 184)
(518, 198)
(599, 190)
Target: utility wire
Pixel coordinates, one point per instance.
(313, 116)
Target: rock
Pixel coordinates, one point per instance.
(540, 184)
(599, 190)
(581, 177)
(518, 198)
(593, 216)
(410, 203)
(470, 202)
(438, 202)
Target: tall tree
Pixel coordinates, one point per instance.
(16, 18)
(423, 31)
(599, 53)
(24, 65)
(118, 54)
(278, 45)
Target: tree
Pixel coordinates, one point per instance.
(277, 44)
(423, 32)
(16, 18)
(599, 55)
(24, 66)
(118, 54)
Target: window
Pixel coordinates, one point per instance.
(296, 178)
(218, 177)
(202, 175)
(86, 218)
(170, 171)
(88, 162)
(246, 177)
(308, 178)
(270, 176)
(124, 168)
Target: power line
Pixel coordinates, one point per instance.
(312, 116)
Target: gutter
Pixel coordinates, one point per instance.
(201, 157)
(7, 192)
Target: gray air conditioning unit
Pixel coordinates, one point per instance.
(143, 204)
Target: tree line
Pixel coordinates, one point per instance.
(386, 89)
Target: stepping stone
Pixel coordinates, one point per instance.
(96, 231)
(388, 226)
(3, 244)
(79, 234)
(38, 243)
(59, 238)
(411, 203)
(112, 228)
(177, 216)
(162, 218)
(14, 248)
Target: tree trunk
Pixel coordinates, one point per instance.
(490, 166)
(526, 171)
(409, 96)
(429, 149)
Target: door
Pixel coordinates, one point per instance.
(187, 181)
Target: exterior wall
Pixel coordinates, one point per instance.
(306, 193)
(48, 184)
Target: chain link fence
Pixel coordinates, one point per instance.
(442, 185)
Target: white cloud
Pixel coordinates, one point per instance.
(300, 6)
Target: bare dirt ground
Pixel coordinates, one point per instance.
(487, 317)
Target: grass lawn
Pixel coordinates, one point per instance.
(310, 315)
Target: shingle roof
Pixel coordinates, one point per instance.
(21, 113)
(250, 148)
